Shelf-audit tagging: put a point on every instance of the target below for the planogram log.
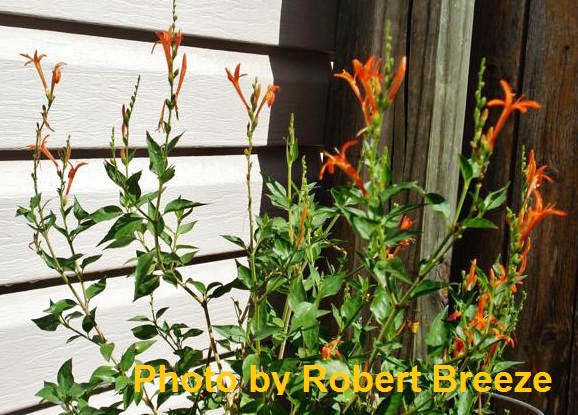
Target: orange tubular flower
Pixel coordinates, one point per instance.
(166, 38)
(398, 79)
(459, 347)
(56, 76)
(340, 160)
(370, 77)
(479, 321)
(502, 277)
(510, 105)
(534, 175)
(181, 79)
(455, 315)
(44, 150)
(270, 94)
(36, 61)
(528, 220)
(330, 350)
(234, 79)
(404, 224)
(472, 277)
(302, 225)
(71, 174)
(268, 98)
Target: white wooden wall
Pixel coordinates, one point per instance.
(106, 44)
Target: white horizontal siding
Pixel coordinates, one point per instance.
(30, 356)
(298, 23)
(218, 181)
(100, 77)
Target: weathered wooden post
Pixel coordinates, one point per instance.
(424, 127)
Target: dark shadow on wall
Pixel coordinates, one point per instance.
(301, 66)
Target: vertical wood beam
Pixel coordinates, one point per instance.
(445, 140)
(424, 127)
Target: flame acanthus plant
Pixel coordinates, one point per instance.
(304, 305)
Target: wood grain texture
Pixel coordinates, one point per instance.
(532, 46)
(423, 129)
(100, 76)
(445, 142)
(499, 38)
(45, 352)
(546, 336)
(218, 181)
(295, 23)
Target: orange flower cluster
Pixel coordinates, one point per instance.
(366, 81)
(370, 79)
(42, 147)
(268, 97)
(509, 105)
(534, 210)
(483, 321)
(56, 73)
(405, 224)
(331, 350)
(170, 41)
(340, 160)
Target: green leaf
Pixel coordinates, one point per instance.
(158, 163)
(479, 223)
(48, 393)
(439, 204)
(250, 361)
(189, 357)
(105, 213)
(466, 168)
(381, 305)
(88, 321)
(144, 332)
(192, 333)
(363, 226)
(103, 374)
(145, 282)
(266, 332)
(277, 193)
(331, 285)
(64, 377)
(47, 323)
(127, 359)
(439, 333)
(426, 287)
(235, 334)
(236, 240)
(244, 275)
(96, 288)
(78, 211)
(504, 365)
(143, 346)
(305, 316)
(133, 190)
(60, 306)
(161, 312)
(496, 199)
(106, 350)
(224, 289)
(123, 231)
(173, 143)
(180, 204)
(89, 260)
